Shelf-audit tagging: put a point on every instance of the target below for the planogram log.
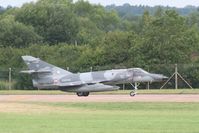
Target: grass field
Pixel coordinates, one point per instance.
(57, 92)
(99, 117)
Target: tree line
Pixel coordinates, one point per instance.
(82, 35)
(127, 10)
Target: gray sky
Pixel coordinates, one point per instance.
(176, 3)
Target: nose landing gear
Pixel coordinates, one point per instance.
(134, 92)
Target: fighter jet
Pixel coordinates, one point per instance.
(48, 76)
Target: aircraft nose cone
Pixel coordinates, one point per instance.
(159, 77)
(164, 77)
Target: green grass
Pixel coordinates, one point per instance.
(104, 118)
(3, 85)
(125, 92)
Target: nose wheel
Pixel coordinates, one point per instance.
(134, 92)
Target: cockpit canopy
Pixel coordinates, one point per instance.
(138, 70)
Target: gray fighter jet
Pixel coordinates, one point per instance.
(47, 76)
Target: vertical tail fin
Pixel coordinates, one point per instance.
(39, 66)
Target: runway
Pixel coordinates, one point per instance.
(100, 98)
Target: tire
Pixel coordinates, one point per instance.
(132, 94)
(85, 94)
(80, 94)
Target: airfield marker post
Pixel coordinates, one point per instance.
(10, 78)
(176, 76)
(148, 83)
(123, 86)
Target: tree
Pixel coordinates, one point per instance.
(88, 32)
(159, 12)
(146, 21)
(116, 47)
(168, 40)
(193, 19)
(16, 34)
(53, 20)
(83, 8)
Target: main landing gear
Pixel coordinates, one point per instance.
(80, 94)
(134, 92)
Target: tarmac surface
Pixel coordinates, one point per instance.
(100, 98)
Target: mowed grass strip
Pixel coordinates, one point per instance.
(125, 92)
(101, 118)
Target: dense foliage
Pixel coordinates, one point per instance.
(81, 35)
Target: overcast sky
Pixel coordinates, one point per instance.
(176, 3)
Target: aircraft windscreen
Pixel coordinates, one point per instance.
(144, 71)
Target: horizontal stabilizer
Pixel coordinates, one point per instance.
(33, 71)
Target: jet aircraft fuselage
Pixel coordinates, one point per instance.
(47, 76)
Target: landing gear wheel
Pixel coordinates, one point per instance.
(80, 94)
(132, 93)
(85, 94)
